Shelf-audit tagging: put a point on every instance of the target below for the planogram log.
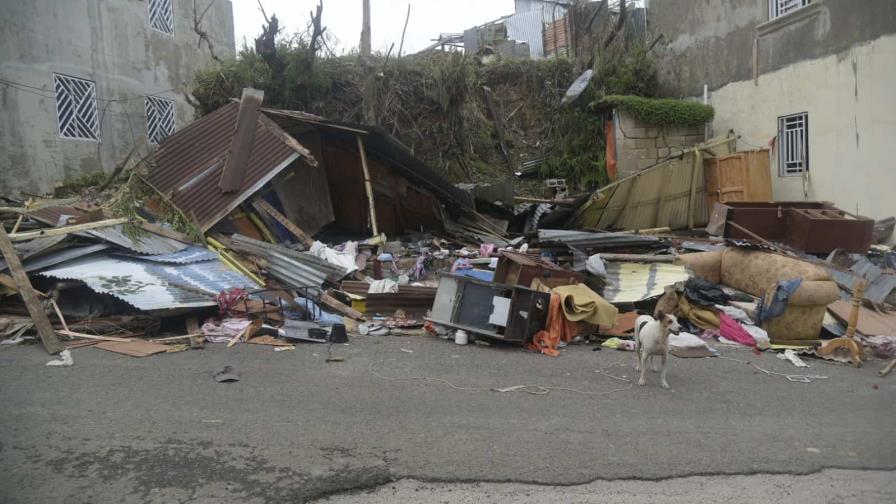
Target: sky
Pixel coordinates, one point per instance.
(342, 18)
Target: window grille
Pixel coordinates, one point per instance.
(778, 8)
(159, 118)
(161, 16)
(76, 107)
(793, 144)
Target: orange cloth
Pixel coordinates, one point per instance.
(558, 328)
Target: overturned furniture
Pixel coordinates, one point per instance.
(520, 269)
(500, 311)
(759, 273)
(813, 227)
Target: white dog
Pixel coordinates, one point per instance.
(652, 336)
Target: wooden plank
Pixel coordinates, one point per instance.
(136, 348)
(333, 303)
(368, 187)
(35, 307)
(7, 281)
(263, 206)
(64, 230)
(241, 143)
(167, 233)
(73, 334)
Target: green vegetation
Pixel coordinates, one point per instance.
(435, 104)
(662, 112)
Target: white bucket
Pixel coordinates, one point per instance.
(461, 337)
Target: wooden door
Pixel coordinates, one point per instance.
(742, 176)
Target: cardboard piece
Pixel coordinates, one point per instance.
(136, 348)
(871, 323)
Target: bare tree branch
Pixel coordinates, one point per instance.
(405, 29)
(203, 35)
(620, 22)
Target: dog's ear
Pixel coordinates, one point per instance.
(660, 315)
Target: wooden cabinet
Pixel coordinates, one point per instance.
(742, 176)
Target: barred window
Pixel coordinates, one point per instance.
(793, 144)
(161, 16)
(777, 8)
(159, 118)
(76, 107)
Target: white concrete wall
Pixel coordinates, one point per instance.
(111, 43)
(851, 101)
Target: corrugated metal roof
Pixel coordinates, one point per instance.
(631, 282)
(146, 243)
(596, 241)
(57, 257)
(527, 27)
(149, 285)
(188, 255)
(631, 203)
(380, 144)
(188, 164)
(296, 269)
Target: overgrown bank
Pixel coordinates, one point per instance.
(436, 103)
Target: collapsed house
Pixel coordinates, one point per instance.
(316, 172)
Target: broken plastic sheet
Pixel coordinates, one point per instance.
(344, 258)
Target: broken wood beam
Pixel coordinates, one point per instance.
(368, 187)
(64, 230)
(167, 232)
(34, 305)
(331, 302)
(640, 258)
(74, 334)
(263, 206)
(242, 141)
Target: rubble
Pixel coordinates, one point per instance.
(374, 244)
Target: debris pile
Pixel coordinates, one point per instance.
(295, 229)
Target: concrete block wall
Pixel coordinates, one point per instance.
(640, 145)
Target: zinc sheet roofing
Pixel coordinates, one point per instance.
(188, 164)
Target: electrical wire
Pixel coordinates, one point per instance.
(790, 377)
(528, 389)
(33, 90)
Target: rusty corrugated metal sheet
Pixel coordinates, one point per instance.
(382, 146)
(188, 164)
(632, 202)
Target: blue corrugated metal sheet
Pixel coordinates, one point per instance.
(188, 255)
(150, 285)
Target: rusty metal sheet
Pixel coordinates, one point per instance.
(188, 164)
(631, 203)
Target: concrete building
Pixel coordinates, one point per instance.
(83, 81)
(518, 33)
(812, 79)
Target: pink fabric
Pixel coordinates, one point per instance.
(732, 330)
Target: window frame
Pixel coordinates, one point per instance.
(79, 108)
(149, 9)
(774, 8)
(786, 150)
(147, 105)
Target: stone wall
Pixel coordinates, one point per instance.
(640, 145)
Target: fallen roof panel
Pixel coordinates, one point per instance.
(631, 282)
(188, 164)
(149, 285)
(587, 240)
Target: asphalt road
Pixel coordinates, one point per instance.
(117, 429)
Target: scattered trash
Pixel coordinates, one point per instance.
(790, 355)
(65, 359)
(227, 375)
(620, 344)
